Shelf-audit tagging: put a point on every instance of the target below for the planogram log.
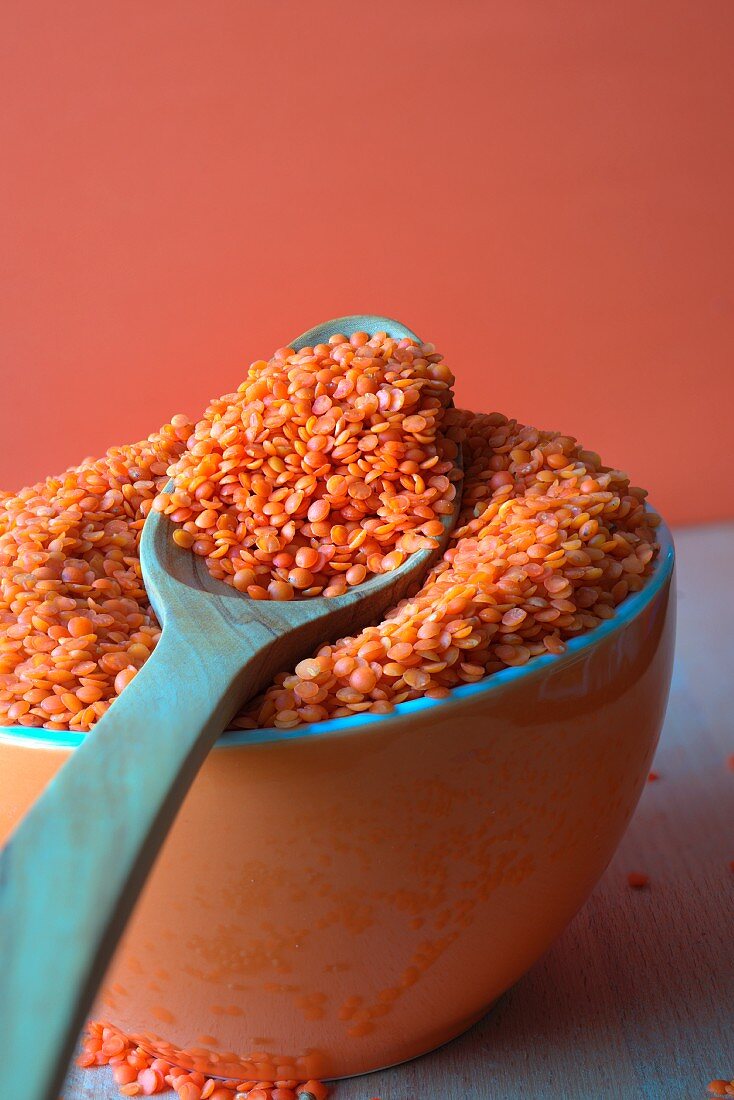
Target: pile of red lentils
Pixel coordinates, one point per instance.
(75, 622)
(327, 465)
(548, 543)
(138, 1073)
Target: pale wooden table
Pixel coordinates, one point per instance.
(636, 1000)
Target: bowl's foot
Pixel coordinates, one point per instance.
(455, 1033)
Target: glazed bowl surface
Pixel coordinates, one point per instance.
(348, 895)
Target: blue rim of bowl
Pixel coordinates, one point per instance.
(628, 610)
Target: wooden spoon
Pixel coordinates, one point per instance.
(72, 870)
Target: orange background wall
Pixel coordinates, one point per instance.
(544, 189)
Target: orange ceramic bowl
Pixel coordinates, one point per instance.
(349, 895)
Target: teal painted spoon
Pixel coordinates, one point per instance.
(73, 868)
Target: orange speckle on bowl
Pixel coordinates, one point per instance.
(163, 1014)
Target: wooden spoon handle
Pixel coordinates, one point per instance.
(73, 868)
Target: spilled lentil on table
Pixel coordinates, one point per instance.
(138, 1073)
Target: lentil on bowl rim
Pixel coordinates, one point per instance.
(628, 609)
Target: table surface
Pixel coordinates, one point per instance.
(636, 999)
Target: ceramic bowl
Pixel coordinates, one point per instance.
(351, 894)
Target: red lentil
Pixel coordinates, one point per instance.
(125, 1074)
(189, 1091)
(151, 1081)
(638, 880)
